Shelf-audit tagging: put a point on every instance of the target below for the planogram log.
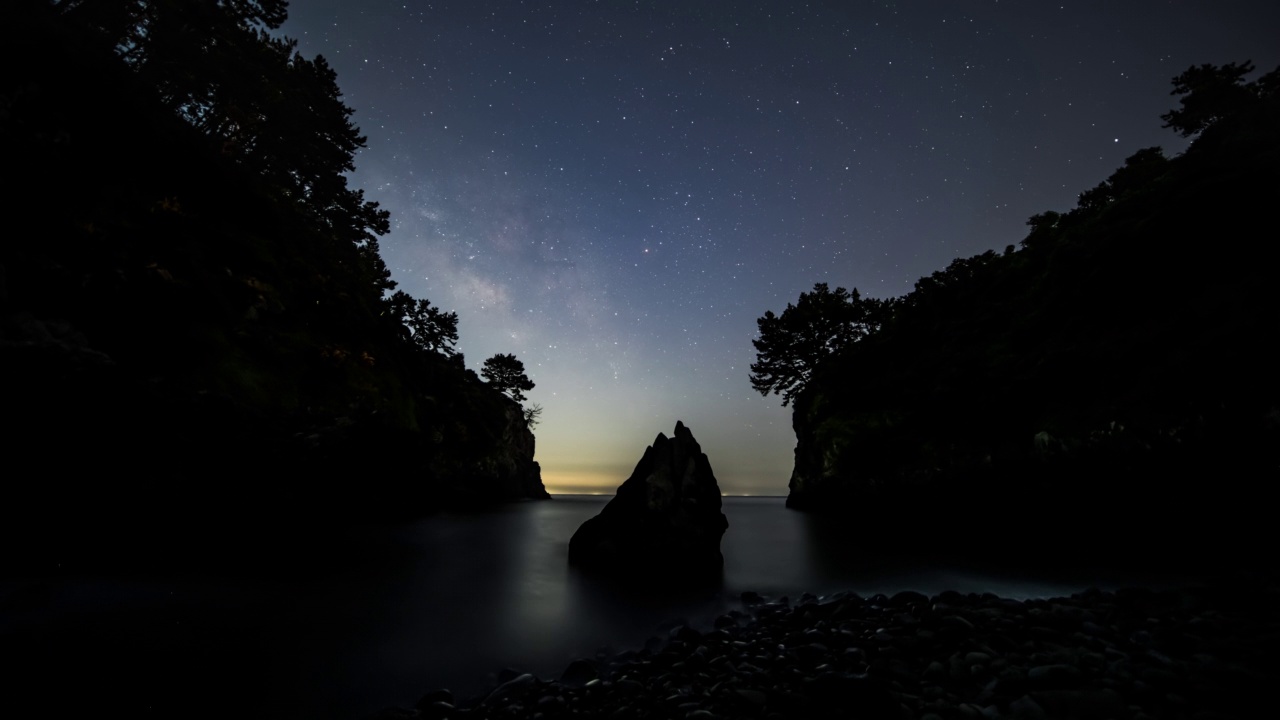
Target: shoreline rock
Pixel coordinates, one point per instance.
(665, 521)
(1194, 653)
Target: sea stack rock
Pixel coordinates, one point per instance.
(665, 519)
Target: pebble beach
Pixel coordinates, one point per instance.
(1197, 653)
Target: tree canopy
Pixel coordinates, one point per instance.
(221, 67)
(204, 236)
(506, 374)
(1139, 169)
(822, 323)
(1215, 101)
(216, 64)
(431, 328)
(1126, 351)
(1212, 93)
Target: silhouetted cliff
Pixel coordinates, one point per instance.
(1114, 377)
(193, 321)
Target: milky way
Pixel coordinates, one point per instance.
(615, 191)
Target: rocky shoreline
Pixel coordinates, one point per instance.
(1197, 653)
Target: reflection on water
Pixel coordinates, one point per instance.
(450, 600)
(494, 590)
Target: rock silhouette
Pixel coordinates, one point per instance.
(664, 519)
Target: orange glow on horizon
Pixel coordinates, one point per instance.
(582, 481)
(605, 481)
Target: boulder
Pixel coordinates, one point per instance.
(665, 519)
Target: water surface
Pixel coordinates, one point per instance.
(447, 601)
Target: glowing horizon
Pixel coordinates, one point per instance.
(605, 479)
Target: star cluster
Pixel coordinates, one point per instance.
(615, 191)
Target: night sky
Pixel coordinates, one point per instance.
(615, 191)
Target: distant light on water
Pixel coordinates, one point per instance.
(583, 480)
(604, 480)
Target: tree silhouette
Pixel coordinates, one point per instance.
(1209, 93)
(822, 323)
(1043, 227)
(1139, 169)
(432, 329)
(506, 374)
(217, 65)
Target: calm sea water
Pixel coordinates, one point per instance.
(443, 602)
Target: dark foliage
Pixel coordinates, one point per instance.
(506, 374)
(821, 324)
(430, 328)
(533, 415)
(1210, 94)
(1116, 370)
(195, 326)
